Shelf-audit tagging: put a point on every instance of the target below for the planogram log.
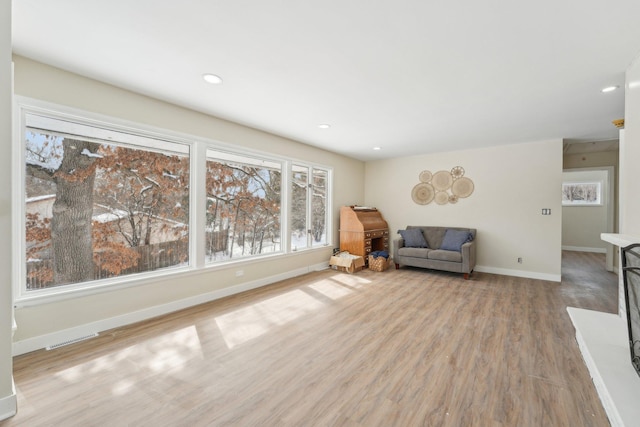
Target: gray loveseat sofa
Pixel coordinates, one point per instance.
(458, 254)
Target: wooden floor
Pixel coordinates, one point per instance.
(398, 348)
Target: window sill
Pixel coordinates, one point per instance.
(60, 293)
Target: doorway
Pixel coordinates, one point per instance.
(589, 215)
(596, 157)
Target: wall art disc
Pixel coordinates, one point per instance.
(462, 187)
(422, 193)
(457, 172)
(442, 180)
(425, 176)
(442, 197)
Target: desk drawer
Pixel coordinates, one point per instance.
(378, 233)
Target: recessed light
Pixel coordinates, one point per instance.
(212, 78)
(324, 126)
(376, 148)
(610, 89)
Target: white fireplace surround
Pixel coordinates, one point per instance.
(604, 342)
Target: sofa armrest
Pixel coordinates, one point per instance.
(468, 256)
(397, 244)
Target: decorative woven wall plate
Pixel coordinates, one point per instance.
(462, 187)
(443, 187)
(422, 193)
(442, 197)
(442, 180)
(425, 176)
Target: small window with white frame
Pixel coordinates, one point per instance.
(309, 206)
(582, 193)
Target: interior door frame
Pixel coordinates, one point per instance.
(609, 202)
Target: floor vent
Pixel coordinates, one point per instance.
(73, 341)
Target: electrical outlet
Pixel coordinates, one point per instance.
(519, 260)
(239, 273)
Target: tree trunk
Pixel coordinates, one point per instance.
(72, 211)
(234, 236)
(148, 228)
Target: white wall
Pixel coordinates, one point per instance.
(512, 185)
(582, 225)
(630, 155)
(40, 324)
(7, 396)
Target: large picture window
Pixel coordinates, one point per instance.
(101, 203)
(243, 206)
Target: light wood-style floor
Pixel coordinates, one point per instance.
(398, 348)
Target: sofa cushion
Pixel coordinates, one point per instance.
(443, 255)
(413, 238)
(454, 239)
(433, 236)
(414, 252)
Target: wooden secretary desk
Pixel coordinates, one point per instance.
(363, 230)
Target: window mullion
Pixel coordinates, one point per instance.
(286, 195)
(309, 207)
(198, 207)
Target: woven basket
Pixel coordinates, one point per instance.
(378, 264)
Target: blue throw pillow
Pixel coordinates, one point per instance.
(413, 238)
(454, 239)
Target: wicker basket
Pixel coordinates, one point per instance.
(378, 264)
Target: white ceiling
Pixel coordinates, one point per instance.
(409, 76)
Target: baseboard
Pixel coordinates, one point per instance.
(584, 249)
(319, 267)
(43, 341)
(9, 405)
(519, 273)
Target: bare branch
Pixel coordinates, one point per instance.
(39, 171)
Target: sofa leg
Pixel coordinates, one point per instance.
(466, 276)
(397, 266)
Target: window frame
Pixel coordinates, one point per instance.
(599, 187)
(306, 204)
(23, 108)
(310, 169)
(197, 147)
(328, 206)
(284, 199)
